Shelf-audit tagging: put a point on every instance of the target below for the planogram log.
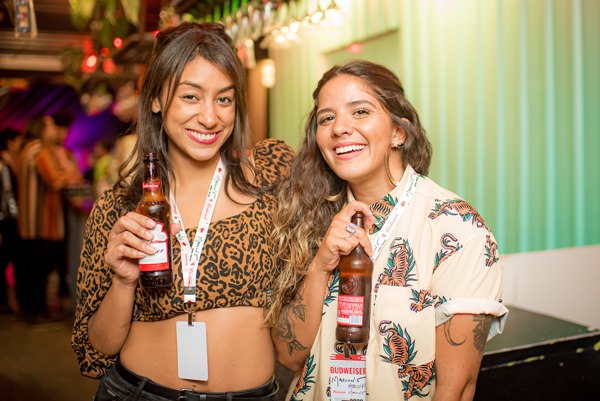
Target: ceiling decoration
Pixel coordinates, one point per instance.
(257, 25)
(61, 44)
(41, 57)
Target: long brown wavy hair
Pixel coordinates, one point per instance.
(175, 47)
(313, 194)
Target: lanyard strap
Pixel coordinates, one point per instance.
(396, 213)
(190, 255)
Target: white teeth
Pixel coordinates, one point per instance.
(202, 137)
(349, 148)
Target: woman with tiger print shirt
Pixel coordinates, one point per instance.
(138, 340)
(436, 283)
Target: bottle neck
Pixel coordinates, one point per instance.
(152, 182)
(359, 220)
(359, 249)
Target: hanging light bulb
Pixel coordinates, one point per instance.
(118, 43)
(316, 17)
(267, 73)
(332, 15)
(89, 64)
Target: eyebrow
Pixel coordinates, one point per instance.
(199, 87)
(351, 104)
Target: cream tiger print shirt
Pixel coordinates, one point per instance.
(440, 260)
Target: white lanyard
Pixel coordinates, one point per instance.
(344, 369)
(396, 213)
(191, 255)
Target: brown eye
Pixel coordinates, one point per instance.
(361, 112)
(325, 120)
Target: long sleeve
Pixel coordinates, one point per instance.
(93, 281)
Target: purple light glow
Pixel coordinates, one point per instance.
(19, 106)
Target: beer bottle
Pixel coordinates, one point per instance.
(354, 300)
(156, 270)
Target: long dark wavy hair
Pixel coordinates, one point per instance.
(175, 47)
(314, 194)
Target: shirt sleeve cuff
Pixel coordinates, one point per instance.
(474, 307)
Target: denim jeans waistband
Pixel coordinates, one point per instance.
(265, 392)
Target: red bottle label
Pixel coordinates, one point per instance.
(350, 310)
(159, 260)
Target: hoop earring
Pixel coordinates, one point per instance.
(387, 169)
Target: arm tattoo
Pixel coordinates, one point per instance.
(481, 331)
(449, 337)
(284, 329)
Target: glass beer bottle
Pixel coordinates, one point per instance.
(354, 298)
(156, 270)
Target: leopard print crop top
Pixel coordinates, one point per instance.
(234, 269)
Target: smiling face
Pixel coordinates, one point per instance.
(354, 133)
(201, 115)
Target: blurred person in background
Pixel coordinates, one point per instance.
(104, 168)
(31, 274)
(10, 145)
(46, 168)
(59, 172)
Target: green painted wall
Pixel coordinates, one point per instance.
(508, 91)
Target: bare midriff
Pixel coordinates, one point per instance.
(240, 350)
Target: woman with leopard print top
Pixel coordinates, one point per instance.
(138, 340)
